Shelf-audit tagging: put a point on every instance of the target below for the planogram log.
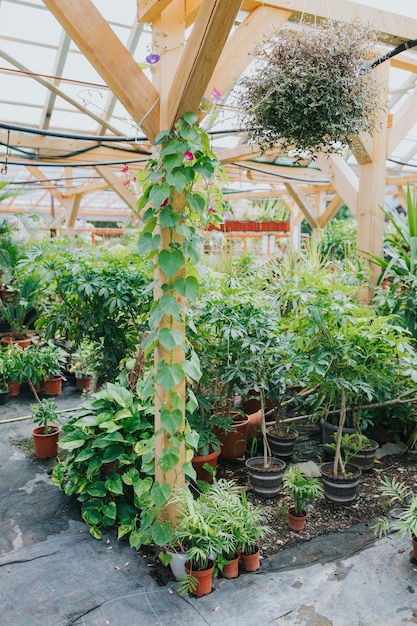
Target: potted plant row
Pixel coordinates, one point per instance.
(215, 529)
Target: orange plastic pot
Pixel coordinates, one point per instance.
(231, 569)
(53, 386)
(45, 444)
(14, 388)
(296, 522)
(198, 463)
(204, 579)
(251, 562)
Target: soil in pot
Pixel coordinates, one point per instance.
(340, 489)
(265, 481)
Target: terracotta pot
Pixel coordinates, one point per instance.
(83, 383)
(204, 579)
(23, 343)
(251, 562)
(46, 444)
(254, 426)
(14, 388)
(233, 443)
(231, 569)
(199, 461)
(53, 386)
(296, 522)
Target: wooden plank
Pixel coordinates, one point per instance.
(404, 120)
(150, 10)
(371, 192)
(330, 211)
(72, 214)
(238, 51)
(116, 184)
(394, 28)
(171, 23)
(303, 203)
(211, 29)
(100, 45)
(342, 177)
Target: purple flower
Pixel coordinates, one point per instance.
(211, 210)
(152, 59)
(165, 202)
(188, 156)
(126, 183)
(125, 169)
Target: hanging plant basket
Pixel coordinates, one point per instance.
(311, 89)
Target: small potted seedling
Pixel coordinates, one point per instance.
(303, 489)
(46, 433)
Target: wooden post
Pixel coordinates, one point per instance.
(372, 190)
(174, 477)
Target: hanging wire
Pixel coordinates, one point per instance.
(4, 168)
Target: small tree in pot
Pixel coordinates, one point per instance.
(46, 434)
(303, 489)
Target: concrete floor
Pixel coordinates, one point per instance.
(53, 573)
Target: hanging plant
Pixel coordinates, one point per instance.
(311, 89)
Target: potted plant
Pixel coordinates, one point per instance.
(46, 434)
(83, 364)
(405, 521)
(13, 359)
(303, 489)
(53, 362)
(341, 487)
(308, 90)
(201, 540)
(253, 529)
(19, 311)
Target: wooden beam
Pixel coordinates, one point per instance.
(117, 186)
(342, 178)
(372, 190)
(150, 10)
(403, 121)
(330, 211)
(405, 61)
(302, 202)
(238, 51)
(100, 45)
(72, 214)
(393, 28)
(210, 32)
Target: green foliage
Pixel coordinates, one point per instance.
(310, 89)
(111, 480)
(95, 297)
(405, 522)
(44, 413)
(19, 311)
(399, 267)
(303, 489)
(11, 364)
(338, 239)
(84, 360)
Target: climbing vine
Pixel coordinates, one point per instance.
(179, 195)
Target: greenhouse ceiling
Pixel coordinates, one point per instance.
(74, 109)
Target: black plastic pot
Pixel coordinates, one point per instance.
(4, 396)
(365, 458)
(340, 489)
(265, 481)
(281, 447)
(328, 431)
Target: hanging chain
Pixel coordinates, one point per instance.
(4, 168)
